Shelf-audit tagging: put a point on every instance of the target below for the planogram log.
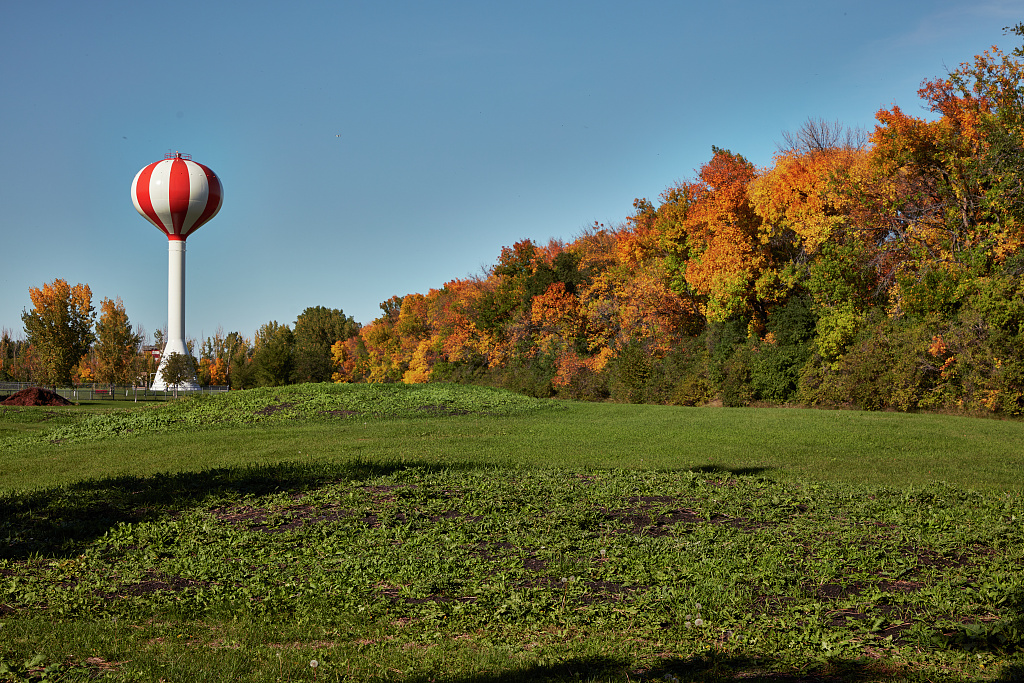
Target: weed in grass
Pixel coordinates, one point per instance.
(437, 551)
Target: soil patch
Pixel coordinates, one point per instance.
(653, 516)
(155, 582)
(35, 396)
(271, 409)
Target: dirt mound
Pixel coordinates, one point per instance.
(34, 396)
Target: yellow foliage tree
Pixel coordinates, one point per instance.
(800, 194)
(117, 348)
(59, 327)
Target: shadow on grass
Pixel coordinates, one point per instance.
(710, 668)
(61, 522)
(1003, 640)
(1000, 638)
(733, 471)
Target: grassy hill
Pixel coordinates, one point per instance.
(462, 534)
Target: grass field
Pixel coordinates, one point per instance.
(462, 534)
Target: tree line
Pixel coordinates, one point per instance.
(880, 270)
(66, 344)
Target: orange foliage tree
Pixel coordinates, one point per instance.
(945, 200)
(727, 256)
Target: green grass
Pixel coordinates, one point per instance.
(440, 424)
(460, 534)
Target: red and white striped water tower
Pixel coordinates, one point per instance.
(177, 195)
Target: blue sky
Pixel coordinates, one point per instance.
(369, 149)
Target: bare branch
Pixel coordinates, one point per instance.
(819, 135)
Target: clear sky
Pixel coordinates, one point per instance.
(375, 148)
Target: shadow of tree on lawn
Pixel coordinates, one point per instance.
(710, 668)
(62, 521)
(732, 471)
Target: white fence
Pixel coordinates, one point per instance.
(97, 391)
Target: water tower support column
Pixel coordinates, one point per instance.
(175, 313)
(176, 291)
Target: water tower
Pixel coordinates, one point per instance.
(177, 195)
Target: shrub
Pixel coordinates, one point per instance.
(736, 388)
(886, 367)
(529, 375)
(585, 385)
(471, 371)
(628, 374)
(775, 363)
(681, 377)
(774, 371)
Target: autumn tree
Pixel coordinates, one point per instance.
(117, 346)
(523, 271)
(807, 209)
(945, 201)
(802, 199)
(240, 370)
(214, 359)
(59, 326)
(349, 359)
(727, 256)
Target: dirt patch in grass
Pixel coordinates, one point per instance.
(653, 516)
(277, 521)
(272, 409)
(155, 583)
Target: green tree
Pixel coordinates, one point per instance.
(316, 331)
(8, 355)
(238, 350)
(59, 326)
(177, 370)
(117, 348)
(273, 359)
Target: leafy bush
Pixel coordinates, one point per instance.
(887, 367)
(471, 371)
(528, 375)
(586, 385)
(628, 375)
(776, 362)
(774, 371)
(736, 388)
(681, 377)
